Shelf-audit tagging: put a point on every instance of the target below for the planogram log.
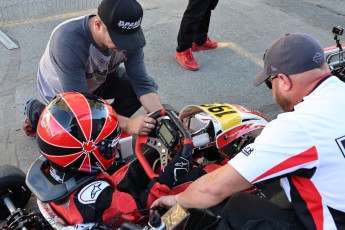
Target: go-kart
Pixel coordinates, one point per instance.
(210, 133)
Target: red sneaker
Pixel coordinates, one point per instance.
(187, 60)
(208, 45)
(28, 128)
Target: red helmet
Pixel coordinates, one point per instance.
(79, 132)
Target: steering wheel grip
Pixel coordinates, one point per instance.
(140, 140)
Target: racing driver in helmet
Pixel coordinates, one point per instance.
(78, 136)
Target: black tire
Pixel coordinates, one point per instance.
(12, 183)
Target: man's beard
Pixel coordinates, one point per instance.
(102, 42)
(283, 102)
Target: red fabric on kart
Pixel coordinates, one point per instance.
(68, 212)
(211, 167)
(121, 202)
(156, 191)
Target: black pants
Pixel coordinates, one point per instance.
(117, 86)
(195, 23)
(246, 211)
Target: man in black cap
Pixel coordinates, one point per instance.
(84, 54)
(304, 148)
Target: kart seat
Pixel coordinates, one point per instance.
(48, 190)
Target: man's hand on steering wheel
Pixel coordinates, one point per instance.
(140, 125)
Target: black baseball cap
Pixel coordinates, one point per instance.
(291, 54)
(123, 21)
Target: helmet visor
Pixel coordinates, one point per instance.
(108, 148)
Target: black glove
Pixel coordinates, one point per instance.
(177, 167)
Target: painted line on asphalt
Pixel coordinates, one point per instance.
(242, 51)
(8, 43)
(230, 45)
(7, 25)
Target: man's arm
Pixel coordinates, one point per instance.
(151, 102)
(146, 90)
(142, 124)
(142, 83)
(209, 190)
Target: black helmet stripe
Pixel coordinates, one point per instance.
(54, 149)
(67, 160)
(106, 129)
(79, 106)
(65, 140)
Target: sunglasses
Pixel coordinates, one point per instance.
(268, 81)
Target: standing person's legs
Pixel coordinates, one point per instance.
(201, 39)
(202, 30)
(188, 28)
(119, 87)
(198, 11)
(190, 22)
(246, 211)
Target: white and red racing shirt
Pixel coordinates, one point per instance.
(305, 149)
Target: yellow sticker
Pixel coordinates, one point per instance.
(227, 115)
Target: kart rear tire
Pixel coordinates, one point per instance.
(12, 184)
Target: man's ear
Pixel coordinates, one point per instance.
(286, 81)
(98, 24)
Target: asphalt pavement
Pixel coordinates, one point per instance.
(243, 29)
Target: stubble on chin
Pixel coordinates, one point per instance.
(284, 103)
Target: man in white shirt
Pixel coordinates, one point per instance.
(304, 148)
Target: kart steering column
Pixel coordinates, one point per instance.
(187, 142)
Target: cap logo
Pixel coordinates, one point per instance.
(317, 58)
(274, 69)
(129, 25)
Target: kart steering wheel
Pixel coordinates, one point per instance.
(159, 145)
